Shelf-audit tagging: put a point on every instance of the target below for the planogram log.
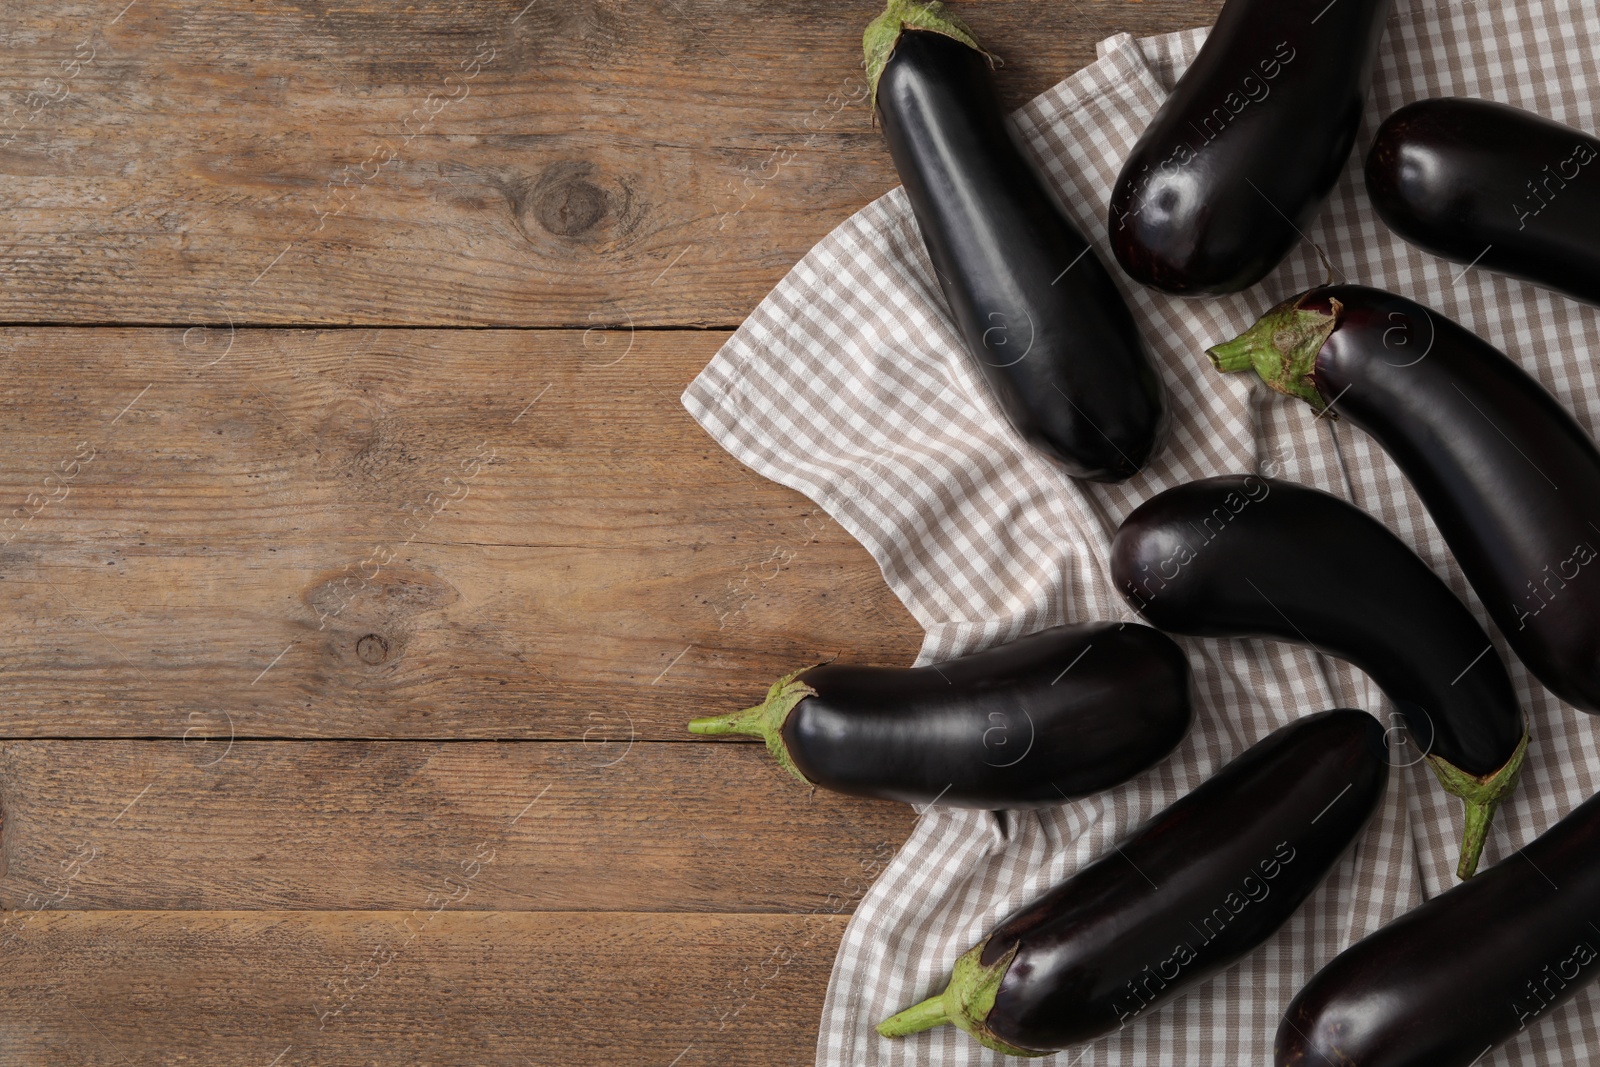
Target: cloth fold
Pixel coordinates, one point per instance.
(849, 384)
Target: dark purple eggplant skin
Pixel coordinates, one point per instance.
(1037, 309)
(1091, 951)
(1187, 895)
(1246, 556)
(1465, 972)
(1474, 181)
(1062, 713)
(1509, 477)
(1247, 147)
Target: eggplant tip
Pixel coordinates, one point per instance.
(965, 1002)
(884, 31)
(1482, 795)
(715, 725)
(1282, 348)
(765, 720)
(1232, 356)
(924, 1015)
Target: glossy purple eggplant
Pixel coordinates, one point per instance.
(1190, 893)
(1039, 313)
(1510, 478)
(1248, 145)
(1049, 717)
(1467, 971)
(1246, 556)
(1504, 189)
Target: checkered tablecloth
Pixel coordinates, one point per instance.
(849, 383)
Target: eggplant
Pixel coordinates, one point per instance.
(1248, 145)
(1482, 183)
(1056, 715)
(1510, 478)
(1038, 312)
(1245, 556)
(1467, 971)
(1194, 890)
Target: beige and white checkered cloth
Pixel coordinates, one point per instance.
(849, 384)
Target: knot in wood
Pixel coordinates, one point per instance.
(571, 207)
(373, 649)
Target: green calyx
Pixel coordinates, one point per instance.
(1482, 795)
(965, 1003)
(765, 720)
(882, 32)
(1282, 348)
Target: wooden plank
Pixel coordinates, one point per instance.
(373, 826)
(407, 533)
(494, 989)
(459, 162)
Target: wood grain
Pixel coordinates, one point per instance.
(470, 162)
(372, 826)
(493, 989)
(341, 663)
(285, 543)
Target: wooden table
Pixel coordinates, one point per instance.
(360, 565)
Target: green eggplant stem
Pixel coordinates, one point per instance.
(1482, 795)
(917, 1018)
(882, 32)
(1282, 348)
(765, 720)
(965, 1002)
